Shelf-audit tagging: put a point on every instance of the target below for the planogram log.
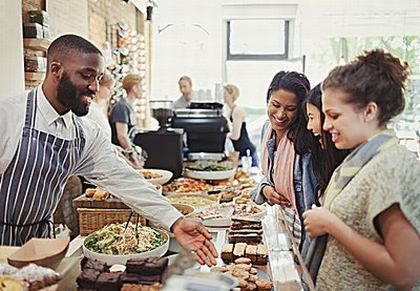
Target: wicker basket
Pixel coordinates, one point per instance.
(92, 219)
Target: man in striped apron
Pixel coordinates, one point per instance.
(55, 143)
(39, 170)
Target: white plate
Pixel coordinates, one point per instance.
(122, 259)
(165, 176)
(210, 175)
(225, 211)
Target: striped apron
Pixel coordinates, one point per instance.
(33, 183)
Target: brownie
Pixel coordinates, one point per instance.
(262, 255)
(248, 238)
(227, 253)
(149, 266)
(87, 279)
(150, 279)
(137, 287)
(93, 264)
(239, 250)
(129, 278)
(108, 281)
(236, 225)
(251, 252)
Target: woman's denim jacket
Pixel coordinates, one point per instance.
(305, 185)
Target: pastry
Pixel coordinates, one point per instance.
(245, 267)
(243, 261)
(218, 269)
(264, 285)
(240, 274)
(10, 283)
(242, 283)
(90, 192)
(251, 286)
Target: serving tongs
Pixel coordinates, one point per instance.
(218, 191)
(128, 222)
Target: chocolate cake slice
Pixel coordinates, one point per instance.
(227, 253)
(87, 278)
(108, 281)
(149, 266)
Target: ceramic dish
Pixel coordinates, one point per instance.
(210, 175)
(156, 176)
(122, 259)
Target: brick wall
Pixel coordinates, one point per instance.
(28, 5)
(103, 13)
(68, 17)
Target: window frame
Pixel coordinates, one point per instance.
(258, 57)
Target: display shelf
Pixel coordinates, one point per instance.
(30, 76)
(36, 44)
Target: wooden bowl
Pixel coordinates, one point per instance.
(41, 251)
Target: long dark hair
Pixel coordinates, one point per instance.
(324, 160)
(299, 85)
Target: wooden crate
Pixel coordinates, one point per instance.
(92, 219)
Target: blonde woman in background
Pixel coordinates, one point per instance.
(99, 107)
(239, 134)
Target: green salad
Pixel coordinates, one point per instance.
(113, 240)
(209, 166)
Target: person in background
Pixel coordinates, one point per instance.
(371, 207)
(288, 179)
(325, 158)
(122, 117)
(185, 86)
(99, 107)
(239, 135)
(45, 141)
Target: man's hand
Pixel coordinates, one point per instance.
(273, 197)
(194, 236)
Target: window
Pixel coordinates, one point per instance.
(257, 39)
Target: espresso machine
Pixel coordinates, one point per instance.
(163, 146)
(205, 127)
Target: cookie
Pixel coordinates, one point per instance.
(243, 261)
(264, 285)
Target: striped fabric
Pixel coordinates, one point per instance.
(355, 161)
(32, 185)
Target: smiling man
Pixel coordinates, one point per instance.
(44, 141)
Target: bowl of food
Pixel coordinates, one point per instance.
(113, 244)
(156, 176)
(183, 208)
(186, 186)
(194, 200)
(210, 170)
